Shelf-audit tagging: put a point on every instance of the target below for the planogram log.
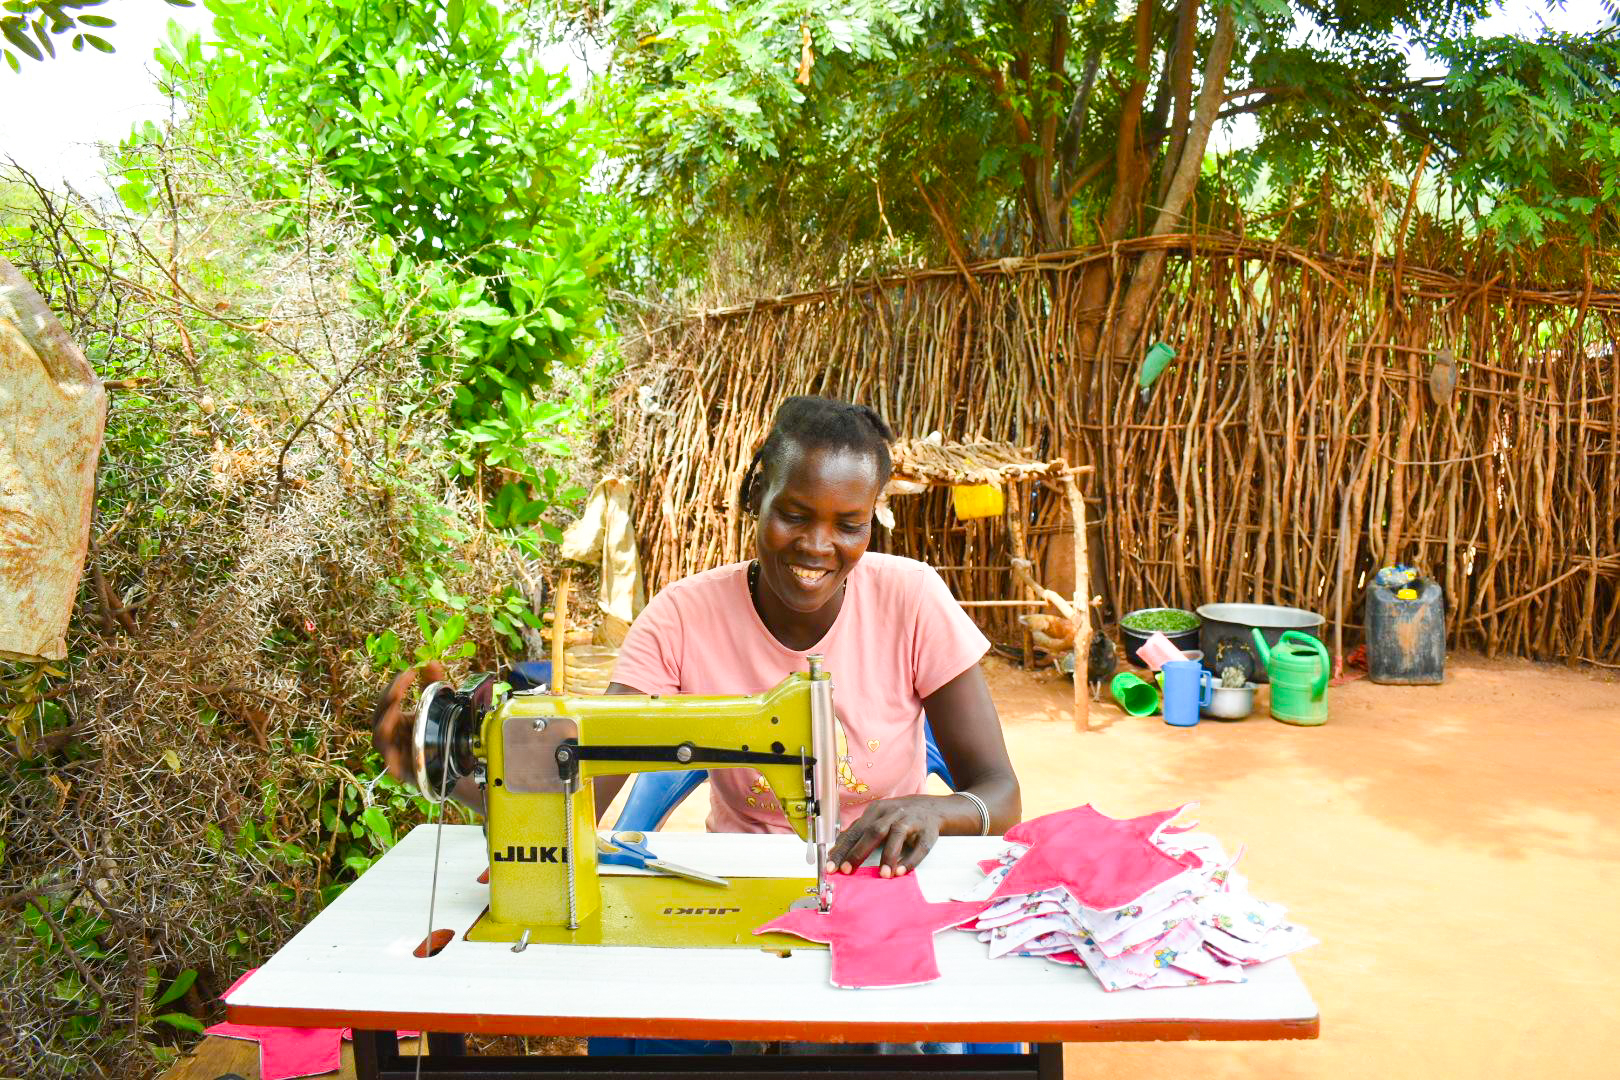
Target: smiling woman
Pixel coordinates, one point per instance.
(898, 645)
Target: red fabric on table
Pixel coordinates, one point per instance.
(880, 930)
(1103, 863)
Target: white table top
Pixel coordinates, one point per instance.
(353, 967)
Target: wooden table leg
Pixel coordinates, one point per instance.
(446, 1044)
(373, 1051)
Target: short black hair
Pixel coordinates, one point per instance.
(817, 423)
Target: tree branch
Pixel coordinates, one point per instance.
(948, 230)
(1209, 104)
(1129, 161)
(996, 81)
(1057, 56)
(1075, 122)
(1150, 268)
(1181, 81)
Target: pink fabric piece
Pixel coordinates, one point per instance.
(880, 930)
(1103, 863)
(898, 637)
(287, 1052)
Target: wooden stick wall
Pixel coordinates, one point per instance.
(1293, 447)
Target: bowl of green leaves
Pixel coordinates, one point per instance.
(1180, 626)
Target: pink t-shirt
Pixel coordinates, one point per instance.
(899, 636)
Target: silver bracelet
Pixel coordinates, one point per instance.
(984, 810)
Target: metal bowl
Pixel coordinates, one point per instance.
(1231, 702)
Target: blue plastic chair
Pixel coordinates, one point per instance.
(653, 797)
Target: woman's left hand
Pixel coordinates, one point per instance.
(905, 828)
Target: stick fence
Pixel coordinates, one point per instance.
(1293, 447)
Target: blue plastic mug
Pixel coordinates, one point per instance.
(1187, 689)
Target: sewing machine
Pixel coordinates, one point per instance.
(532, 753)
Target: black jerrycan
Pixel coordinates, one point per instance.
(1405, 624)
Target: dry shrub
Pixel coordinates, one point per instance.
(271, 492)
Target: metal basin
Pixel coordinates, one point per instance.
(1232, 622)
(1230, 702)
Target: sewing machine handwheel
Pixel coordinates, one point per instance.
(442, 734)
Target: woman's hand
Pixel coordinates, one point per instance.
(904, 828)
(390, 733)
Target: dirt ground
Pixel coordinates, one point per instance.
(1452, 846)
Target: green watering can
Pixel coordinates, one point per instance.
(1298, 667)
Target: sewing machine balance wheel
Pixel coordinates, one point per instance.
(442, 735)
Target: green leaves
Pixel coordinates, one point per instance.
(28, 27)
(179, 1021)
(16, 33)
(733, 126)
(176, 988)
(472, 162)
(443, 642)
(1530, 131)
(377, 826)
(514, 509)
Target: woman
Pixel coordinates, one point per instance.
(897, 644)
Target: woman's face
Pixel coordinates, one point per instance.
(815, 521)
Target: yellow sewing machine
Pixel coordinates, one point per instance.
(532, 753)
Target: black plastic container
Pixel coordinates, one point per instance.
(1406, 639)
(1185, 640)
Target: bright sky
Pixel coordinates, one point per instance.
(53, 114)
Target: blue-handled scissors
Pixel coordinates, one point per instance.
(630, 849)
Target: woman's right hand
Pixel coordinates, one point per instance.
(390, 731)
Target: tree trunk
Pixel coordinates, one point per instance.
(1130, 173)
(1186, 48)
(1150, 268)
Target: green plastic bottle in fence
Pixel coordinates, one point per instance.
(1153, 364)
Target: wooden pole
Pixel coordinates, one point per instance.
(1082, 602)
(559, 629)
(1021, 569)
(1003, 603)
(1015, 529)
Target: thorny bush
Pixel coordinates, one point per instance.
(279, 525)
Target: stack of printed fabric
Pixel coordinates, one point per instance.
(1139, 903)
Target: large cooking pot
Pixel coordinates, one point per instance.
(1226, 631)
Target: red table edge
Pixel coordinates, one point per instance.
(1071, 1031)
